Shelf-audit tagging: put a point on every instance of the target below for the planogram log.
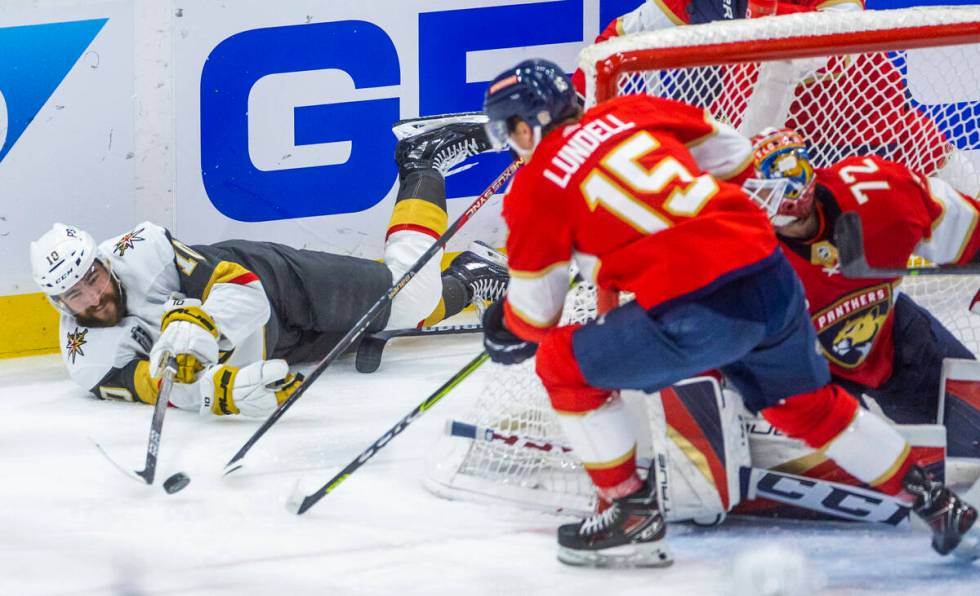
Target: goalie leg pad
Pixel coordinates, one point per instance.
(700, 445)
(959, 409)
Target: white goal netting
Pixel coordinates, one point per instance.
(902, 84)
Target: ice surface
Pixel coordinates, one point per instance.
(71, 524)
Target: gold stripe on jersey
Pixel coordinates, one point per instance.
(955, 197)
(531, 321)
(829, 3)
(146, 387)
(421, 213)
(893, 469)
(539, 273)
(669, 13)
(606, 465)
(224, 272)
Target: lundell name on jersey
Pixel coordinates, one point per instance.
(581, 145)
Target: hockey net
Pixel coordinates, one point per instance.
(902, 84)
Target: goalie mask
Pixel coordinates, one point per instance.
(537, 92)
(780, 154)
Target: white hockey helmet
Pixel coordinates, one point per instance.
(62, 257)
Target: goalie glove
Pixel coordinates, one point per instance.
(254, 390)
(502, 346)
(190, 335)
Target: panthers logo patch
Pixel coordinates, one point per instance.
(76, 339)
(847, 328)
(128, 241)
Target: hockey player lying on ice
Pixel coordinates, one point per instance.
(878, 341)
(639, 191)
(239, 302)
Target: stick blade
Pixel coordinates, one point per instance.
(849, 238)
(298, 501)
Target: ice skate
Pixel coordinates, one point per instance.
(952, 520)
(443, 146)
(411, 127)
(629, 532)
(483, 271)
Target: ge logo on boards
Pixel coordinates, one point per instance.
(295, 120)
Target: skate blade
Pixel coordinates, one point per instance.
(487, 252)
(646, 554)
(411, 127)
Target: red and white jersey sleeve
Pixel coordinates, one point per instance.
(623, 192)
(954, 237)
(904, 212)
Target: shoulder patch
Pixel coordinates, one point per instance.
(128, 241)
(76, 339)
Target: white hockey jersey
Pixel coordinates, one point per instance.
(112, 362)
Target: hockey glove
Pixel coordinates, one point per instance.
(254, 390)
(190, 334)
(503, 346)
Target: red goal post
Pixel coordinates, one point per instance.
(774, 38)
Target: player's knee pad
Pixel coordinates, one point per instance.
(815, 417)
(561, 376)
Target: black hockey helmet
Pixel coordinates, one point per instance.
(536, 91)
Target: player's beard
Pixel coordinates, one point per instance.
(109, 311)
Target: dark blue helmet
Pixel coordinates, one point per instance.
(536, 91)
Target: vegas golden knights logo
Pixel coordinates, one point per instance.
(128, 241)
(76, 339)
(847, 328)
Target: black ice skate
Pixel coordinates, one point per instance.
(483, 272)
(952, 520)
(442, 142)
(629, 532)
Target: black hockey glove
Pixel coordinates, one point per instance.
(503, 346)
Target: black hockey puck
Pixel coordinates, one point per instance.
(176, 483)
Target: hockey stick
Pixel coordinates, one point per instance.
(362, 324)
(831, 498)
(849, 237)
(372, 345)
(300, 503)
(148, 472)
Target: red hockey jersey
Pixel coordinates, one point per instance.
(635, 192)
(902, 214)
